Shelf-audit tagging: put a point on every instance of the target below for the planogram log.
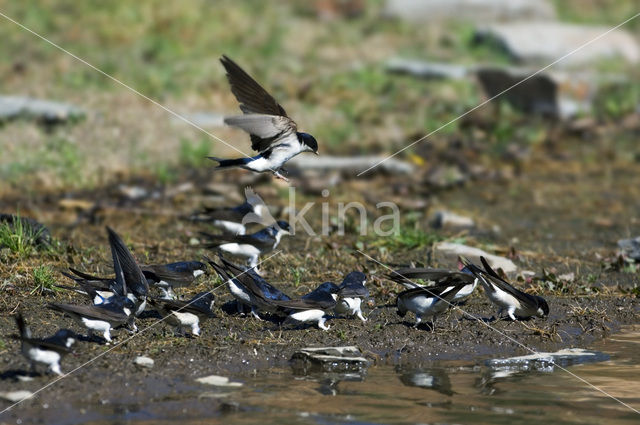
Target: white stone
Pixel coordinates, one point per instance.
(144, 361)
(545, 42)
(448, 220)
(15, 396)
(468, 10)
(218, 381)
(447, 253)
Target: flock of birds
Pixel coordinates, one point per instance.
(118, 301)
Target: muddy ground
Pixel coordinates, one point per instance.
(580, 238)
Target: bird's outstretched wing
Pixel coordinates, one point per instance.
(253, 98)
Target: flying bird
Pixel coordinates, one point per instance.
(273, 134)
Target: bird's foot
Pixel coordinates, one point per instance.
(280, 176)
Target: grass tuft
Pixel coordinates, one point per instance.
(44, 280)
(18, 237)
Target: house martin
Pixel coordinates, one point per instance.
(273, 134)
(48, 351)
(250, 246)
(186, 314)
(172, 275)
(518, 304)
(99, 318)
(248, 288)
(350, 294)
(408, 275)
(234, 220)
(311, 308)
(427, 301)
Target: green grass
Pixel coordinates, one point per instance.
(43, 280)
(19, 238)
(407, 238)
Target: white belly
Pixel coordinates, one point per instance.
(230, 226)
(183, 319)
(307, 316)
(238, 292)
(243, 250)
(348, 306)
(47, 357)
(504, 299)
(425, 306)
(96, 325)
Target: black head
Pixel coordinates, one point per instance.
(542, 307)
(284, 226)
(355, 278)
(309, 141)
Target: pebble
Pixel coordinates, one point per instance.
(448, 253)
(144, 361)
(448, 220)
(218, 381)
(15, 396)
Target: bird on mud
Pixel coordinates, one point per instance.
(427, 301)
(185, 314)
(517, 304)
(48, 351)
(233, 220)
(173, 275)
(313, 307)
(350, 294)
(274, 135)
(250, 246)
(407, 277)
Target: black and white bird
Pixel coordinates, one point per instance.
(407, 277)
(350, 294)
(48, 351)
(99, 318)
(186, 314)
(233, 220)
(427, 302)
(517, 304)
(173, 275)
(250, 246)
(248, 288)
(273, 134)
(313, 307)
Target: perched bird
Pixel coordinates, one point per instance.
(427, 301)
(99, 318)
(48, 351)
(518, 304)
(250, 246)
(273, 134)
(233, 220)
(186, 314)
(248, 288)
(313, 307)
(172, 275)
(128, 271)
(408, 275)
(350, 294)
(98, 289)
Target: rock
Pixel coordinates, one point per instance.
(15, 396)
(447, 252)
(545, 42)
(630, 248)
(424, 69)
(218, 381)
(76, 204)
(12, 107)
(445, 176)
(352, 165)
(545, 362)
(555, 94)
(468, 10)
(143, 361)
(448, 220)
(133, 193)
(328, 359)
